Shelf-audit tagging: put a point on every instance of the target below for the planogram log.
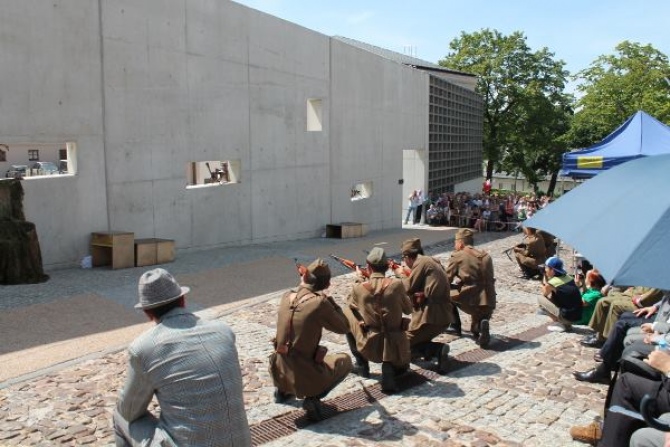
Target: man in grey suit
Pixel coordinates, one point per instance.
(192, 368)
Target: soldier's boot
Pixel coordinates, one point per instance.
(361, 365)
(485, 334)
(389, 384)
(442, 358)
(281, 397)
(455, 327)
(313, 409)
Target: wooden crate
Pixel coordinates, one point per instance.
(153, 251)
(113, 248)
(164, 251)
(346, 230)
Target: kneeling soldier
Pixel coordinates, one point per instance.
(471, 270)
(299, 366)
(375, 311)
(428, 287)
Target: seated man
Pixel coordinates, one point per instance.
(609, 308)
(190, 365)
(627, 392)
(530, 255)
(560, 299)
(299, 366)
(375, 311)
(432, 215)
(609, 355)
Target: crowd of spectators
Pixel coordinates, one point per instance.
(482, 212)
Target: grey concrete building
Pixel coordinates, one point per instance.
(214, 124)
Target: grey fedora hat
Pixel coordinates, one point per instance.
(158, 287)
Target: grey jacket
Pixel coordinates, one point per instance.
(662, 320)
(192, 367)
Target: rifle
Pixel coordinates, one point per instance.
(351, 265)
(507, 252)
(393, 265)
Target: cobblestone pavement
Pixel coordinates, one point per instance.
(517, 394)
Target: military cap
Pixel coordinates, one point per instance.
(377, 256)
(319, 269)
(466, 235)
(411, 246)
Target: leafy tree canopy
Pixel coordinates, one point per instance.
(614, 87)
(526, 109)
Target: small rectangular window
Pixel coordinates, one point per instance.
(39, 160)
(212, 173)
(360, 191)
(314, 115)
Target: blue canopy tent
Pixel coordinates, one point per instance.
(640, 136)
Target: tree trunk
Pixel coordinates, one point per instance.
(552, 184)
(20, 255)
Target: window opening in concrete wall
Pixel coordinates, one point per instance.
(37, 160)
(212, 173)
(360, 191)
(314, 115)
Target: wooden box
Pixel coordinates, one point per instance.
(113, 248)
(153, 251)
(345, 230)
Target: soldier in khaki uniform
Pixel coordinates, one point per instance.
(375, 311)
(299, 366)
(550, 243)
(428, 288)
(531, 255)
(471, 272)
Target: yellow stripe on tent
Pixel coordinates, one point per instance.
(590, 162)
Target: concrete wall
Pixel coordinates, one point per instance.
(472, 186)
(380, 108)
(50, 80)
(145, 88)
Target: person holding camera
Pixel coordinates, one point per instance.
(299, 366)
(561, 299)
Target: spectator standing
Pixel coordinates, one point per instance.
(413, 202)
(420, 199)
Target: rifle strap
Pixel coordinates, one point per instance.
(378, 293)
(296, 299)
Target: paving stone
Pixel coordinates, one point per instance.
(522, 396)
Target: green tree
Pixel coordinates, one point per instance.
(614, 87)
(525, 103)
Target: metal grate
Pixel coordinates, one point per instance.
(288, 423)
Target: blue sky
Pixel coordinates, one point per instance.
(576, 31)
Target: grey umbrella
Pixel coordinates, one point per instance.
(619, 221)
